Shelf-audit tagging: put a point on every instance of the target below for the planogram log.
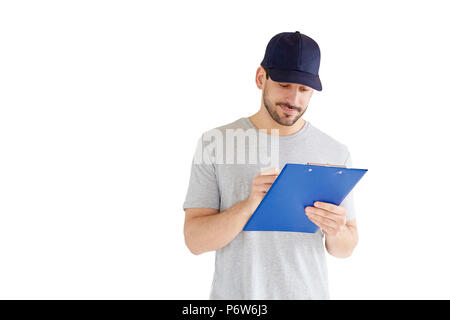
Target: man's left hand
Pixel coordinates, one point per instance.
(327, 216)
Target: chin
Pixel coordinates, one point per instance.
(286, 123)
(291, 121)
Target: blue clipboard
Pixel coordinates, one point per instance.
(297, 187)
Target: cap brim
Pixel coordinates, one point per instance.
(294, 76)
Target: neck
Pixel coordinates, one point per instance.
(263, 120)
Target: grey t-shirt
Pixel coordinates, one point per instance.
(263, 264)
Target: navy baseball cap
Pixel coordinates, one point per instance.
(293, 57)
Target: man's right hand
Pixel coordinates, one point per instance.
(261, 184)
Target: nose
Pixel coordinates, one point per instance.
(292, 96)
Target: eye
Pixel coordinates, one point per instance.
(284, 86)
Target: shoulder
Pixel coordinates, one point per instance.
(222, 129)
(215, 138)
(236, 124)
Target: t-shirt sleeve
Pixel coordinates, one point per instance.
(203, 189)
(348, 202)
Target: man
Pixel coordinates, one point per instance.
(222, 197)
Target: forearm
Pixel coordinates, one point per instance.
(208, 233)
(342, 244)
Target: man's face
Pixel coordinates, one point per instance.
(286, 102)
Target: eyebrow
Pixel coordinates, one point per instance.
(289, 83)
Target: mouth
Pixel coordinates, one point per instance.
(288, 110)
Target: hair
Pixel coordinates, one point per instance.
(267, 74)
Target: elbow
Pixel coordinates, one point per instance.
(195, 251)
(189, 243)
(342, 255)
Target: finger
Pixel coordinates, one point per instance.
(329, 207)
(267, 186)
(263, 187)
(327, 230)
(270, 171)
(319, 224)
(266, 179)
(323, 213)
(323, 222)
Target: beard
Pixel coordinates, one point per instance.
(281, 120)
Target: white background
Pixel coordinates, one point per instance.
(102, 102)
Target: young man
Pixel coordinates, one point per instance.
(223, 195)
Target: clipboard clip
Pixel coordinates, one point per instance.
(326, 165)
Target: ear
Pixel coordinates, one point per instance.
(260, 78)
